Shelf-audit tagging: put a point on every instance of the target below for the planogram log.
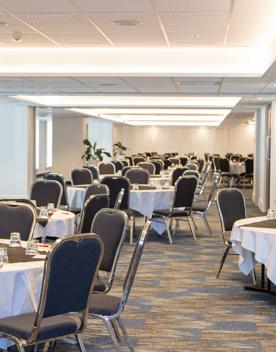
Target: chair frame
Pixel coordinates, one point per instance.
(51, 181)
(80, 169)
(107, 163)
(114, 323)
(22, 343)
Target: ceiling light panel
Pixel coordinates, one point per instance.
(163, 123)
(129, 101)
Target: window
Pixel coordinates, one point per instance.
(43, 143)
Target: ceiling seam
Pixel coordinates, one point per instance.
(30, 26)
(228, 23)
(98, 29)
(130, 84)
(160, 22)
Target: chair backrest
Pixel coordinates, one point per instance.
(81, 176)
(138, 159)
(174, 161)
(147, 166)
(216, 163)
(90, 208)
(200, 165)
(192, 166)
(228, 155)
(46, 191)
(231, 207)
(110, 225)
(224, 164)
(106, 168)
(69, 274)
(125, 163)
(119, 199)
(17, 216)
(94, 171)
(167, 164)
(249, 166)
(118, 165)
(95, 189)
(115, 184)
(178, 172)
(191, 173)
(59, 178)
(126, 168)
(134, 264)
(235, 157)
(158, 166)
(184, 160)
(184, 192)
(139, 176)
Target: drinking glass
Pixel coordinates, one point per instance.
(34, 202)
(15, 239)
(32, 247)
(270, 214)
(50, 209)
(3, 256)
(43, 211)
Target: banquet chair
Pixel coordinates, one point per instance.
(235, 157)
(125, 163)
(94, 171)
(69, 273)
(17, 216)
(200, 165)
(192, 166)
(110, 225)
(106, 168)
(109, 308)
(95, 189)
(115, 185)
(231, 207)
(89, 210)
(249, 169)
(181, 209)
(81, 176)
(174, 161)
(225, 171)
(167, 164)
(184, 160)
(191, 173)
(118, 165)
(201, 206)
(147, 166)
(138, 159)
(178, 172)
(59, 178)
(139, 176)
(126, 168)
(46, 191)
(158, 166)
(119, 199)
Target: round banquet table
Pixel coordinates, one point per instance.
(60, 224)
(254, 239)
(160, 181)
(21, 281)
(237, 168)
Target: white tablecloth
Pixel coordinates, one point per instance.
(237, 168)
(160, 181)
(253, 245)
(60, 224)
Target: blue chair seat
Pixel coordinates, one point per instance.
(21, 326)
(103, 304)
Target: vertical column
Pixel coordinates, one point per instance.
(16, 150)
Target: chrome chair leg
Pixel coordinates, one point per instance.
(191, 228)
(206, 223)
(116, 329)
(193, 220)
(125, 334)
(80, 343)
(168, 231)
(112, 333)
(229, 246)
(131, 229)
(254, 279)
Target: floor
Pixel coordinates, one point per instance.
(177, 304)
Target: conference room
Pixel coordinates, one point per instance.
(138, 159)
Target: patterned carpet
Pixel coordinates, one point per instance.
(178, 305)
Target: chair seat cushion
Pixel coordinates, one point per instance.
(21, 326)
(200, 205)
(102, 304)
(168, 213)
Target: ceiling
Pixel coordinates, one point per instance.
(161, 23)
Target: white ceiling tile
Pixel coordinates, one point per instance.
(79, 39)
(104, 21)
(195, 23)
(142, 39)
(76, 23)
(28, 39)
(158, 90)
(197, 89)
(114, 5)
(149, 81)
(12, 24)
(214, 38)
(255, 5)
(254, 21)
(249, 38)
(192, 5)
(37, 6)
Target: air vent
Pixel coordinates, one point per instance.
(127, 23)
(191, 14)
(62, 16)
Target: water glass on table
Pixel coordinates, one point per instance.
(32, 247)
(3, 256)
(50, 209)
(15, 239)
(270, 214)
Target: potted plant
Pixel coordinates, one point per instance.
(92, 153)
(119, 149)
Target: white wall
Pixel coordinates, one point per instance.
(68, 134)
(16, 150)
(221, 140)
(273, 157)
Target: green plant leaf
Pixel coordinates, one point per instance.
(87, 142)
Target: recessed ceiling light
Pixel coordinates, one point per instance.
(195, 35)
(260, 98)
(3, 24)
(17, 36)
(127, 23)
